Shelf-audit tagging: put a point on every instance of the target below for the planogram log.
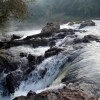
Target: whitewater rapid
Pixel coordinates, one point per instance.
(85, 66)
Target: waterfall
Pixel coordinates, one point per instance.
(83, 69)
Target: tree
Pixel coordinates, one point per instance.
(15, 8)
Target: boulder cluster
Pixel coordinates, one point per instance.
(65, 93)
(50, 34)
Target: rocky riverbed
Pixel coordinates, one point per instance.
(67, 54)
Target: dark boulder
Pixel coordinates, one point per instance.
(77, 40)
(5, 65)
(35, 42)
(15, 37)
(87, 39)
(39, 59)
(51, 28)
(2, 44)
(52, 51)
(29, 70)
(42, 72)
(71, 31)
(39, 42)
(52, 43)
(33, 59)
(13, 66)
(13, 81)
(87, 23)
(22, 54)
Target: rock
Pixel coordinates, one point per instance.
(4, 64)
(21, 98)
(52, 43)
(52, 51)
(65, 93)
(33, 59)
(43, 72)
(13, 66)
(1, 44)
(29, 70)
(15, 37)
(39, 59)
(87, 39)
(50, 28)
(40, 42)
(77, 40)
(13, 81)
(87, 23)
(22, 54)
(35, 42)
(71, 31)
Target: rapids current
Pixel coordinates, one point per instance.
(83, 69)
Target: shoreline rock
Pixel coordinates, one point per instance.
(65, 93)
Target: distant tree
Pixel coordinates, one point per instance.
(15, 8)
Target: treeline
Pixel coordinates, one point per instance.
(63, 10)
(39, 12)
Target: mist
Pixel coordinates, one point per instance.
(39, 12)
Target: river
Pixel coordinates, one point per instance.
(84, 68)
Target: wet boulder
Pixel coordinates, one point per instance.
(50, 28)
(13, 37)
(4, 64)
(39, 59)
(2, 44)
(39, 42)
(29, 70)
(87, 39)
(22, 54)
(87, 23)
(65, 93)
(33, 59)
(13, 80)
(30, 96)
(42, 72)
(34, 41)
(52, 43)
(52, 51)
(67, 31)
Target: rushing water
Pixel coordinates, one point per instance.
(85, 67)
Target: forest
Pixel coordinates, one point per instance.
(39, 12)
